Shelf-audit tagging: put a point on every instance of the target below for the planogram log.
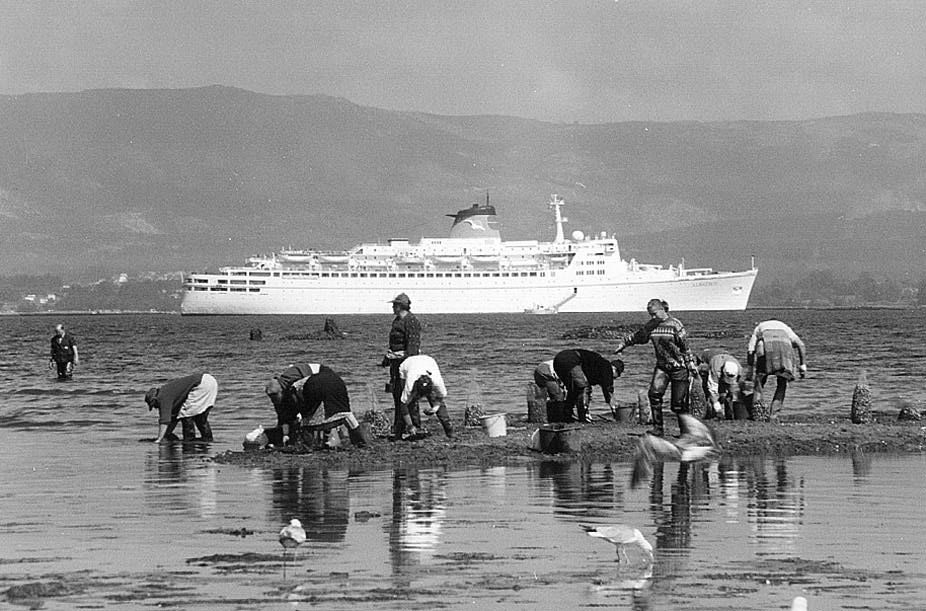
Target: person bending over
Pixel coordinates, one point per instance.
(421, 378)
(579, 370)
(187, 400)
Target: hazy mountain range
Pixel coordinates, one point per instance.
(107, 181)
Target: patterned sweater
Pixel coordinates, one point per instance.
(670, 341)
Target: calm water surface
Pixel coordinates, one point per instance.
(126, 524)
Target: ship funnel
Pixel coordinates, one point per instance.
(475, 222)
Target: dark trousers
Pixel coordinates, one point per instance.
(443, 416)
(199, 421)
(677, 378)
(396, 384)
(64, 369)
(551, 385)
(781, 387)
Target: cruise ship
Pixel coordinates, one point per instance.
(471, 271)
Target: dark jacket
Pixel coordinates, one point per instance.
(324, 387)
(597, 369)
(169, 398)
(405, 334)
(62, 348)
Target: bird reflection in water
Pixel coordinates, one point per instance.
(631, 583)
(633, 575)
(318, 497)
(419, 500)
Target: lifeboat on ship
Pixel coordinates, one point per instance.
(447, 260)
(484, 259)
(295, 256)
(332, 257)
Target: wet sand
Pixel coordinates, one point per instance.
(604, 441)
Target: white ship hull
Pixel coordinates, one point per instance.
(470, 272)
(720, 291)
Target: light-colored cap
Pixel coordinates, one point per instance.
(730, 370)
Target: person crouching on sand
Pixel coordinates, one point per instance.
(281, 390)
(187, 400)
(579, 370)
(421, 378)
(721, 380)
(322, 386)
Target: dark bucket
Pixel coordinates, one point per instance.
(559, 438)
(274, 436)
(740, 410)
(625, 414)
(556, 411)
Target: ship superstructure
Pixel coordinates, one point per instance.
(471, 271)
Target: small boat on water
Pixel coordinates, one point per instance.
(471, 271)
(539, 309)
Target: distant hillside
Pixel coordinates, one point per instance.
(104, 181)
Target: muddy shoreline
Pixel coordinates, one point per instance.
(605, 441)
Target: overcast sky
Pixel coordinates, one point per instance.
(581, 60)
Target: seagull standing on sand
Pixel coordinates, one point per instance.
(291, 537)
(622, 536)
(696, 443)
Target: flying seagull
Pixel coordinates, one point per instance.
(621, 536)
(696, 443)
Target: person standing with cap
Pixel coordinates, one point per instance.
(720, 378)
(187, 400)
(404, 341)
(64, 352)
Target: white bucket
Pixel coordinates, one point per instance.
(494, 425)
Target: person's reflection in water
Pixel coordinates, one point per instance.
(861, 467)
(419, 500)
(672, 519)
(729, 476)
(777, 513)
(318, 497)
(582, 489)
(177, 480)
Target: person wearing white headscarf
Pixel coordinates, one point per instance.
(720, 377)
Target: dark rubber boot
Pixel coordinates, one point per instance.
(554, 411)
(205, 431)
(582, 409)
(448, 427)
(658, 429)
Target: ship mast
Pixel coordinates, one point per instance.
(557, 202)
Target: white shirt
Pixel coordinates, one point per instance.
(769, 325)
(416, 366)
